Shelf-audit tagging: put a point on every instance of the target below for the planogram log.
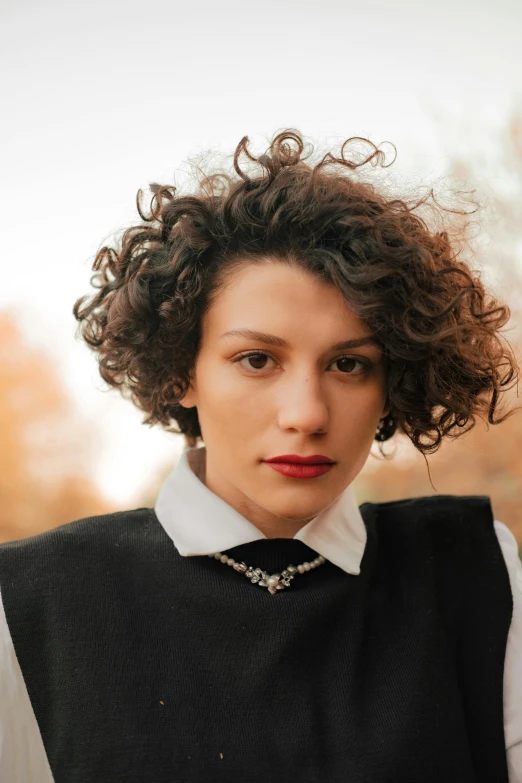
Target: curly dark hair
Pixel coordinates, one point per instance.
(438, 326)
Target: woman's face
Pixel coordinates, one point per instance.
(302, 396)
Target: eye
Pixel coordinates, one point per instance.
(348, 363)
(258, 357)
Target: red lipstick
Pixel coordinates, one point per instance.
(295, 466)
(315, 459)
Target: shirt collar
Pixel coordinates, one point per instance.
(199, 522)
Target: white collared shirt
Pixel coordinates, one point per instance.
(201, 523)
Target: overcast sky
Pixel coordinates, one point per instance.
(101, 98)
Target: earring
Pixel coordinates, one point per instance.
(385, 428)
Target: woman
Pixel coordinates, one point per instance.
(257, 624)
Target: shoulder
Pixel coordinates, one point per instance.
(454, 534)
(62, 566)
(79, 546)
(442, 517)
(439, 506)
(78, 534)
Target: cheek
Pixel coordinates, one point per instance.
(224, 386)
(224, 401)
(361, 403)
(221, 390)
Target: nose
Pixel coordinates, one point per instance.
(303, 406)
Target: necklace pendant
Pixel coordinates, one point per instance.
(275, 583)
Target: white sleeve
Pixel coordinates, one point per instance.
(22, 753)
(513, 661)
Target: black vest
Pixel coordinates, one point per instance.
(143, 666)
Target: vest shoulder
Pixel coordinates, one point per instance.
(436, 503)
(80, 533)
(454, 533)
(440, 513)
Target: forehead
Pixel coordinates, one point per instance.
(273, 292)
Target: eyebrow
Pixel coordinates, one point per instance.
(272, 339)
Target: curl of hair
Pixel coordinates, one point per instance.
(439, 328)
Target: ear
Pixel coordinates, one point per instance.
(386, 410)
(189, 400)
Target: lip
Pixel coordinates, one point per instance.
(300, 470)
(296, 459)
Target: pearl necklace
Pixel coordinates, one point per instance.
(273, 582)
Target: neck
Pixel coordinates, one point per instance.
(269, 524)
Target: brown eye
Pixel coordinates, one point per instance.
(346, 365)
(256, 360)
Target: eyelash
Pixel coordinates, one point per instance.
(366, 365)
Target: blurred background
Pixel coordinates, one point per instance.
(102, 98)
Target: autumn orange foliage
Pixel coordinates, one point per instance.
(45, 473)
